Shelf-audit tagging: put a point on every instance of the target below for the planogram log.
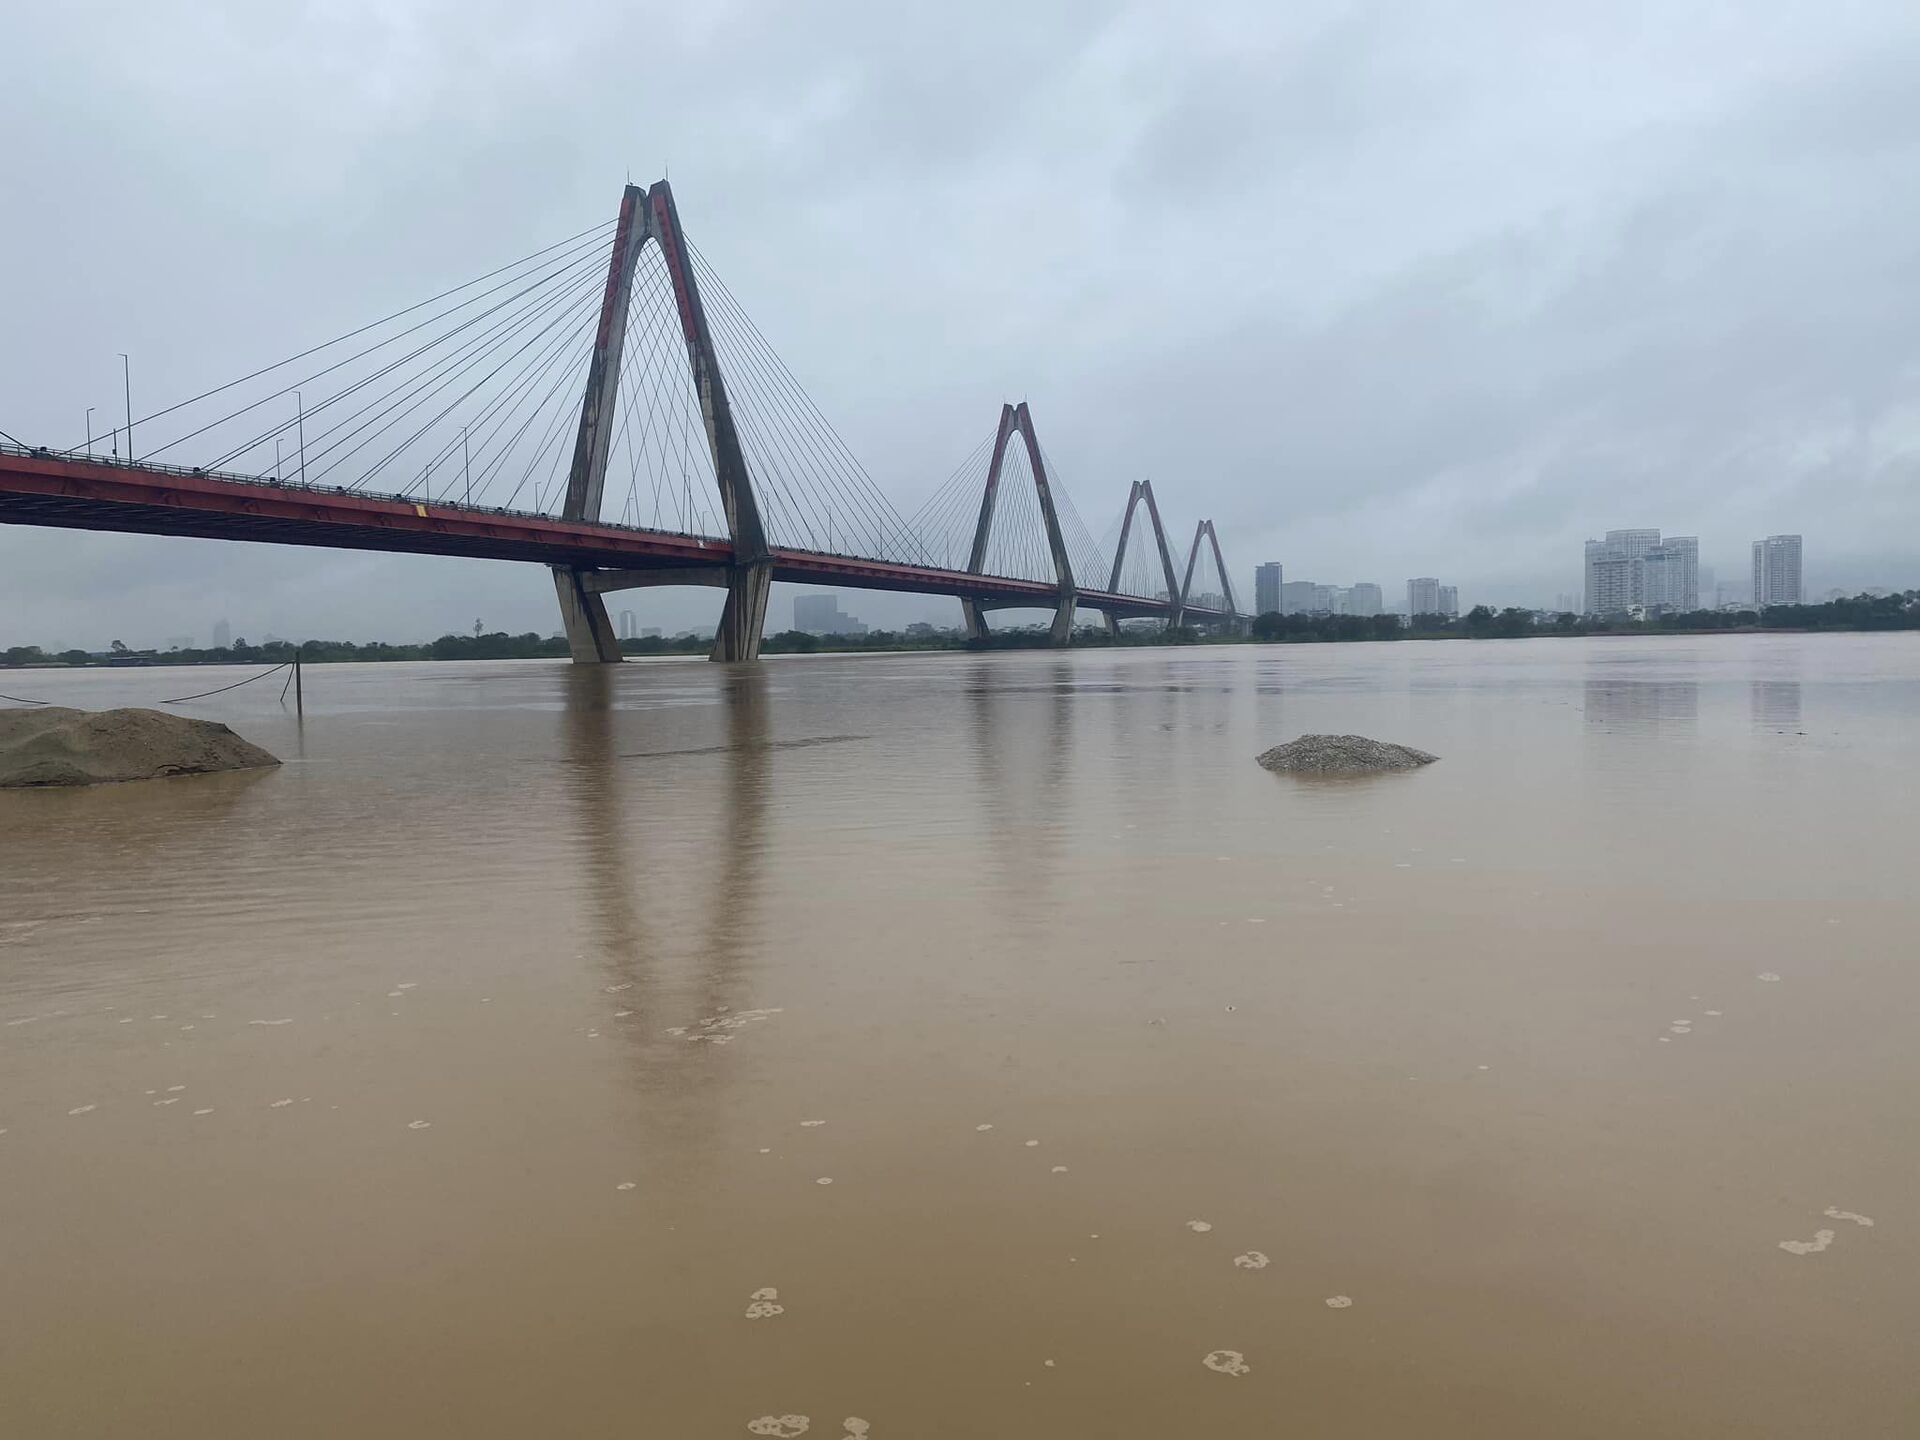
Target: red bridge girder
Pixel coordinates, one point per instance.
(64, 491)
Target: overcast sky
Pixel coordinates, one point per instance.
(1384, 289)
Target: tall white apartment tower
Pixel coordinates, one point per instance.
(1616, 570)
(1670, 575)
(1776, 571)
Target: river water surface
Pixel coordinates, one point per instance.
(502, 1064)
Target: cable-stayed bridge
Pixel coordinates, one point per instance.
(605, 407)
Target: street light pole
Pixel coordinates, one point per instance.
(300, 409)
(89, 432)
(466, 462)
(126, 380)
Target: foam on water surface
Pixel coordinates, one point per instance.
(1226, 1362)
(785, 1426)
(1821, 1240)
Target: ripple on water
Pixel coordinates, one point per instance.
(1832, 1214)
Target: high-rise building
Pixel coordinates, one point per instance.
(629, 625)
(1565, 604)
(1670, 575)
(1609, 579)
(1776, 571)
(1266, 588)
(222, 634)
(1423, 596)
(1328, 600)
(1297, 597)
(821, 615)
(1364, 599)
(1449, 599)
(1616, 570)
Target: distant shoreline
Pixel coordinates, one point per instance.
(1863, 614)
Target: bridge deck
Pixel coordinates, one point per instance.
(43, 488)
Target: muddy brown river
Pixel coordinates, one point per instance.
(958, 1047)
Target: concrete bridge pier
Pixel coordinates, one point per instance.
(974, 614)
(583, 614)
(743, 620)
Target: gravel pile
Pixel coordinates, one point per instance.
(1342, 755)
(53, 745)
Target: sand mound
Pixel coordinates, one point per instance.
(1342, 755)
(53, 745)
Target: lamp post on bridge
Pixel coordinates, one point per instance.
(300, 416)
(89, 432)
(126, 381)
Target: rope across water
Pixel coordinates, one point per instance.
(181, 699)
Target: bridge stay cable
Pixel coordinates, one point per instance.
(433, 420)
(584, 258)
(851, 476)
(406, 403)
(589, 235)
(499, 332)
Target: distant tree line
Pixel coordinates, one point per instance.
(1483, 622)
(1861, 612)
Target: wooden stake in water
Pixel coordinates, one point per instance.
(299, 705)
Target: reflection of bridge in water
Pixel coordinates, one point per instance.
(422, 432)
